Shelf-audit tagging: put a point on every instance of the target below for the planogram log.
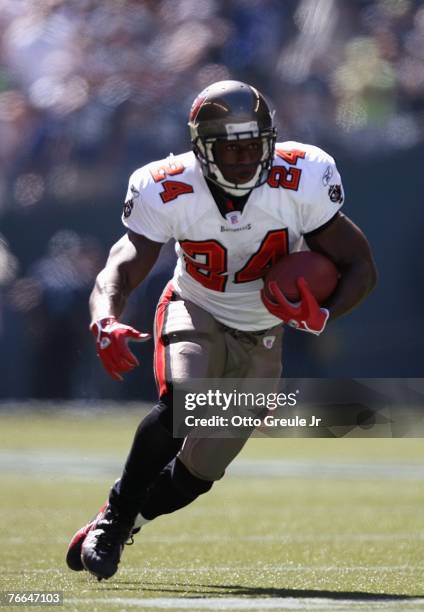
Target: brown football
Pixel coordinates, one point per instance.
(319, 272)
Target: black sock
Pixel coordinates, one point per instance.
(152, 449)
(175, 488)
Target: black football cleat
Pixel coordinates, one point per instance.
(103, 544)
(73, 555)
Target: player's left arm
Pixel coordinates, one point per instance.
(346, 245)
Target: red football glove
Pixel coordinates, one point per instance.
(307, 315)
(112, 339)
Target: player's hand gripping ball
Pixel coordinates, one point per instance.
(112, 339)
(296, 286)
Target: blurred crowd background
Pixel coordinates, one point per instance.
(89, 91)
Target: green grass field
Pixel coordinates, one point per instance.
(297, 524)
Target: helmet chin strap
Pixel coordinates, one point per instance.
(235, 192)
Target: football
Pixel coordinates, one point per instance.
(319, 272)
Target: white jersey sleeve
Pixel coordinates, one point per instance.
(321, 194)
(141, 213)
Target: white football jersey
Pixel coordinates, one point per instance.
(222, 260)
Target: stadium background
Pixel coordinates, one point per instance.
(89, 91)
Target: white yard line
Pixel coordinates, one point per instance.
(73, 465)
(258, 604)
(258, 568)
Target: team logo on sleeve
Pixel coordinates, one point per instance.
(129, 204)
(335, 194)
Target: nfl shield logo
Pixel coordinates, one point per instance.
(268, 341)
(233, 217)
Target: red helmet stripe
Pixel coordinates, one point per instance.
(196, 107)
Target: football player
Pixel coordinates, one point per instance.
(235, 205)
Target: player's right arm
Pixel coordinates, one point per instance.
(149, 224)
(130, 260)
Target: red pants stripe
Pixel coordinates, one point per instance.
(159, 358)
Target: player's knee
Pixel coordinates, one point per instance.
(187, 483)
(200, 462)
